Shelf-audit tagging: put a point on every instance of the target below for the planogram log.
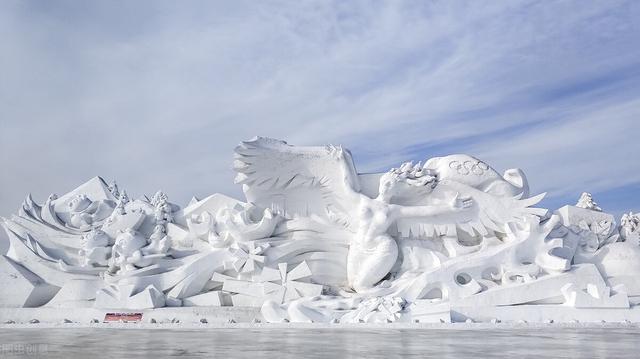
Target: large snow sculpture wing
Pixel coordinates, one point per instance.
(296, 180)
(489, 213)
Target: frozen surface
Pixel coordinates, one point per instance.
(324, 342)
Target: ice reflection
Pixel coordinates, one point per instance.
(320, 343)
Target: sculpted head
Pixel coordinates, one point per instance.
(95, 238)
(399, 181)
(79, 203)
(129, 241)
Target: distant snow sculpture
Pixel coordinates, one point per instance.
(448, 240)
(586, 201)
(630, 227)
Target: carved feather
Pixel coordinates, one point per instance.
(296, 180)
(489, 213)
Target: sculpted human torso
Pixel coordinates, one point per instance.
(373, 252)
(374, 218)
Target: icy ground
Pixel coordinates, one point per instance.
(320, 341)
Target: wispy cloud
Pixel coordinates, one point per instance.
(156, 94)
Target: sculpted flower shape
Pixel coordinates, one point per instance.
(283, 285)
(248, 257)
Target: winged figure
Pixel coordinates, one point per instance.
(443, 196)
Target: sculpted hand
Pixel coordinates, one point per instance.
(461, 203)
(335, 151)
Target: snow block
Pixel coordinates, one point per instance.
(21, 287)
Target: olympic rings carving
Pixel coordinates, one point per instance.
(478, 168)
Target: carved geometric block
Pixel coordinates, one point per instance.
(121, 297)
(214, 298)
(22, 288)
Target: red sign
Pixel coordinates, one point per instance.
(122, 317)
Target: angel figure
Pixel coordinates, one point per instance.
(446, 193)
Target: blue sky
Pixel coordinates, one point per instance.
(157, 94)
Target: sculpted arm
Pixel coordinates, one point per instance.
(348, 174)
(456, 205)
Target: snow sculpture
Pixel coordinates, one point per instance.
(630, 227)
(448, 240)
(95, 248)
(586, 201)
(447, 197)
